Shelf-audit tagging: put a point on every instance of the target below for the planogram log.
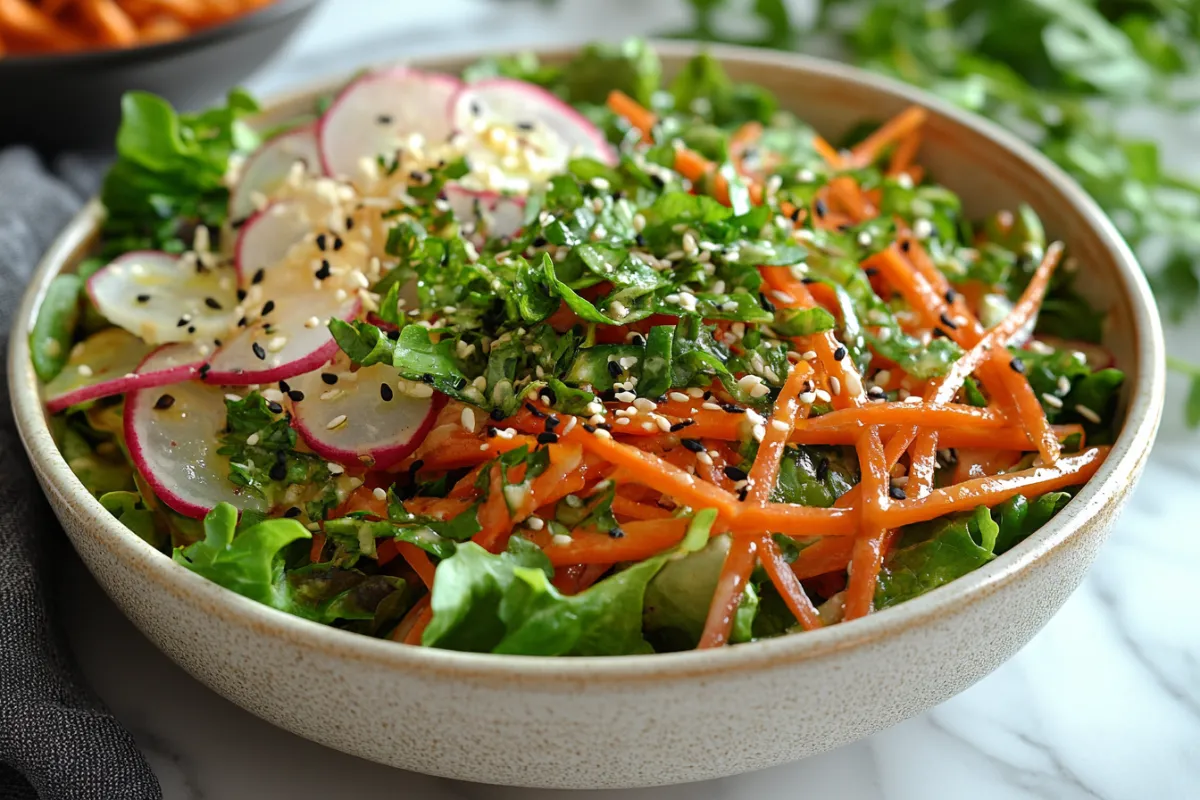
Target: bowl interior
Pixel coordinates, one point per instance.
(990, 169)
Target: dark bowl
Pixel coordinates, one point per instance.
(73, 101)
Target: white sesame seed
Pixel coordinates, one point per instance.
(678, 397)
(602, 434)
(695, 391)
(823, 395)
(312, 322)
(85, 370)
(639, 223)
(379, 493)
(913, 399)
(835, 386)
(560, 539)
(710, 406)
(759, 432)
(748, 382)
(808, 398)
(1052, 401)
(479, 383)
(808, 355)
(760, 390)
(627, 362)
(622, 421)
(782, 297)
(1064, 384)
(619, 310)
(468, 419)
(663, 423)
(535, 523)
(648, 427)
(252, 439)
(277, 343)
(704, 458)
(1087, 413)
(625, 397)
(233, 398)
(334, 468)
(644, 404)
(779, 425)
(340, 419)
(922, 228)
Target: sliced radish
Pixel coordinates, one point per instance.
(362, 419)
(269, 166)
(1097, 356)
(267, 237)
(100, 366)
(377, 114)
(293, 339)
(171, 432)
(519, 135)
(163, 298)
(491, 213)
(172, 363)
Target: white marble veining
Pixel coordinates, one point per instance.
(1104, 703)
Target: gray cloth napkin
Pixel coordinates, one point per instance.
(56, 738)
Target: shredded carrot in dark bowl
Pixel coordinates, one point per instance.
(590, 367)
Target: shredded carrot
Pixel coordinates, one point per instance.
(904, 154)
(895, 129)
(405, 625)
(420, 623)
(867, 557)
(828, 152)
(639, 117)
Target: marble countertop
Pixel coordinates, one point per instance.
(1103, 703)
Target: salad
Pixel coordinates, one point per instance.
(566, 360)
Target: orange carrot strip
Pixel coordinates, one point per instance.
(827, 555)
(828, 152)
(318, 545)
(624, 507)
(420, 623)
(112, 24)
(418, 559)
(638, 116)
(868, 554)
(739, 563)
(992, 490)
(789, 587)
(642, 540)
(899, 126)
(904, 154)
(794, 520)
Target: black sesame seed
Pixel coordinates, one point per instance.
(182, 321)
(349, 223)
(876, 391)
(539, 241)
(638, 340)
(191, 329)
(657, 180)
(938, 333)
(284, 387)
(695, 445)
(547, 438)
(427, 378)
(730, 408)
(258, 351)
(589, 428)
(384, 119)
(678, 426)
(951, 295)
(871, 272)
(640, 240)
(143, 298)
(820, 207)
(268, 307)
(164, 402)
(241, 323)
(742, 493)
(278, 471)
(735, 473)
(766, 304)
(524, 126)
(614, 369)
(796, 214)
(491, 433)
(337, 243)
(241, 295)
(532, 409)
(294, 511)
(949, 323)
(822, 469)
(496, 414)
(274, 407)
(616, 532)
(605, 426)
(321, 241)
(329, 378)
(1017, 365)
(203, 371)
(906, 245)
(415, 467)
(476, 109)
(258, 276)
(385, 391)
(840, 353)
(808, 281)
(551, 423)
(323, 272)
(459, 383)
(296, 395)
(212, 303)
(549, 396)
(896, 493)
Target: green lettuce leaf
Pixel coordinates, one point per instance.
(933, 554)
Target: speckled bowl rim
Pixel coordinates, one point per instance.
(1142, 418)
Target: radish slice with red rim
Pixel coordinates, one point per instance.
(292, 339)
(362, 419)
(267, 238)
(378, 113)
(102, 365)
(172, 363)
(164, 298)
(519, 135)
(490, 213)
(172, 434)
(269, 166)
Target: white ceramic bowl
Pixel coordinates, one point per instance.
(636, 721)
